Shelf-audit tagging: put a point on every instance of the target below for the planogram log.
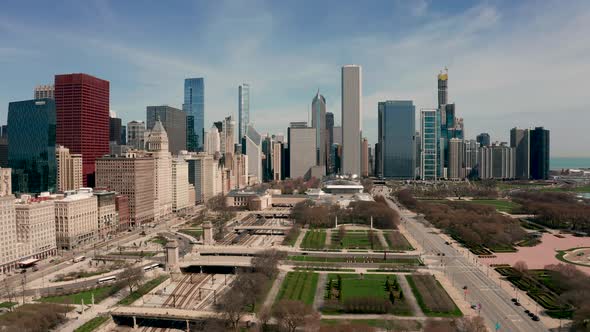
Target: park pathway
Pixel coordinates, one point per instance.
(409, 295)
(318, 300)
(328, 238)
(274, 290)
(300, 238)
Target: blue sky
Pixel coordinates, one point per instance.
(511, 63)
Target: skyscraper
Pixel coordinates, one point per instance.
(213, 141)
(157, 144)
(82, 108)
(520, 141)
(115, 129)
(243, 109)
(302, 151)
(136, 134)
(443, 89)
(351, 119)
(44, 91)
(431, 152)
(497, 162)
(396, 130)
(483, 139)
(318, 121)
(69, 169)
(539, 153)
(252, 147)
(330, 131)
(364, 157)
(456, 159)
(31, 152)
(194, 107)
(174, 122)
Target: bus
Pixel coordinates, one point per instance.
(78, 259)
(106, 279)
(151, 267)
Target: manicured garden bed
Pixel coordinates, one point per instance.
(76, 298)
(314, 239)
(431, 296)
(142, 290)
(397, 241)
(356, 240)
(92, 324)
(364, 293)
(299, 286)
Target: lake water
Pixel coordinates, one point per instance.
(561, 163)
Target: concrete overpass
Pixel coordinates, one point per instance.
(229, 261)
(168, 317)
(272, 229)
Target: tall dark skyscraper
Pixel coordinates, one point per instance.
(540, 153)
(396, 148)
(31, 153)
(443, 88)
(318, 121)
(194, 107)
(82, 110)
(330, 131)
(520, 141)
(123, 135)
(173, 120)
(115, 130)
(483, 139)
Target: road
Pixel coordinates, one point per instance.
(45, 267)
(496, 306)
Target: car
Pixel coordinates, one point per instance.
(513, 299)
(473, 306)
(531, 314)
(535, 318)
(447, 243)
(35, 269)
(527, 311)
(517, 304)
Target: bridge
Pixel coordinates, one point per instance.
(222, 261)
(148, 316)
(273, 229)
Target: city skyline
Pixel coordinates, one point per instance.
(141, 76)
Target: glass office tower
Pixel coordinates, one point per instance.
(539, 153)
(431, 160)
(396, 135)
(31, 153)
(243, 109)
(194, 107)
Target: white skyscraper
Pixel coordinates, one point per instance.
(351, 119)
(243, 109)
(212, 141)
(157, 144)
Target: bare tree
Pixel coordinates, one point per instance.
(521, 267)
(471, 324)
(293, 314)
(232, 307)
(264, 315)
(132, 277)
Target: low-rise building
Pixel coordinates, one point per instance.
(8, 238)
(35, 227)
(76, 219)
(108, 223)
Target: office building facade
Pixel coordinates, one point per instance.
(132, 175)
(115, 130)
(318, 121)
(82, 109)
(520, 141)
(157, 146)
(180, 185)
(252, 147)
(243, 109)
(456, 169)
(396, 136)
(497, 162)
(69, 169)
(540, 153)
(31, 151)
(173, 120)
(483, 139)
(351, 119)
(194, 107)
(44, 91)
(76, 220)
(302, 151)
(136, 135)
(108, 223)
(8, 237)
(430, 146)
(35, 228)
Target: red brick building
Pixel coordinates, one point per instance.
(122, 207)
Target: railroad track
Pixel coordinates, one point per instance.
(178, 289)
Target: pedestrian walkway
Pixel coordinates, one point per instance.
(409, 296)
(318, 300)
(274, 290)
(300, 238)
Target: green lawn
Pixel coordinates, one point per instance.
(142, 290)
(160, 240)
(355, 286)
(385, 324)
(7, 304)
(355, 240)
(92, 324)
(76, 298)
(314, 239)
(432, 297)
(500, 205)
(299, 286)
